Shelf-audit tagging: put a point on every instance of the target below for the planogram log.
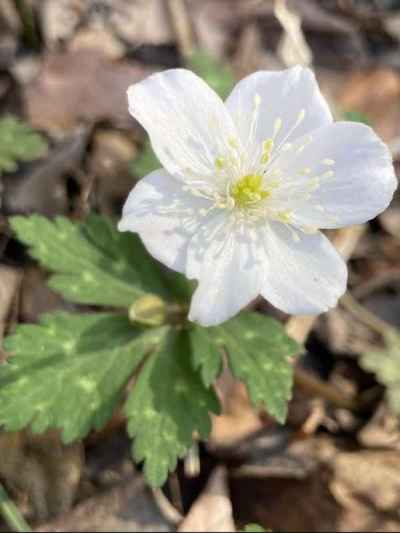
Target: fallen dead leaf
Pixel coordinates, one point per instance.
(127, 507)
(367, 486)
(39, 186)
(99, 39)
(82, 86)
(110, 160)
(390, 220)
(382, 431)
(375, 93)
(59, 19)
(43, 469)
(212, 511)
(238, 418)
(10, 279)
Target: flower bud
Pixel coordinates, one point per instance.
(149, 310)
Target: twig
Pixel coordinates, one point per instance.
(379, 282)
(316, 387)
(293, 48)
(167, 509)
(27, 18)
(364, 315)
(182, 26)
(11, 514)
(82, 208)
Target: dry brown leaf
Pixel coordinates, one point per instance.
(367, 486)
(43, 469)
(212, 511)
(238, 418)
(112, 154)
(99, 39)
(10, 279)
(127, 507)
(82, 86)
(376, 93)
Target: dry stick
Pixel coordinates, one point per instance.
(182, 26)
(364, 315)
(166, 508)
(345, 241)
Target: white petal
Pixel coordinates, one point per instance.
(362, 180)
(304, 278)
(165, 217)
(282, 96)
(230, 268)
(187, 122)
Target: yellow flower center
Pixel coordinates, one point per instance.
(248, 190)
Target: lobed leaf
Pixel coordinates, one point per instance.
(18, 142)
(69, 371)
(206, 354)
(167, 405)
(260, 355)
(93, 262)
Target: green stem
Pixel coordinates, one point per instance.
(27, 18)
(11, 514)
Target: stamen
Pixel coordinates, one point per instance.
(286, 147)
(294, 234)
(301, 148)
(249, 190)
(285, 216)
(268, 146)
(328, 162)
(300, 116)
(233, 142)
(257, 100)
(220, 163)
(277, 126)
(305, 171)
(327, 174)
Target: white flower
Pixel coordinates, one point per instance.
(247, 185)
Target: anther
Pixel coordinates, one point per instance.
(257, 100)
(220, 162)
(277, 126)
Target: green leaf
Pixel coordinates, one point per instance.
(167, 405)
(254, 528)
(146, 162)
(206, 354)
(69, 371)
(386, 365)
(357, 116)
(217, 74)
(93, 262)
(18, 142)
(259, 355)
